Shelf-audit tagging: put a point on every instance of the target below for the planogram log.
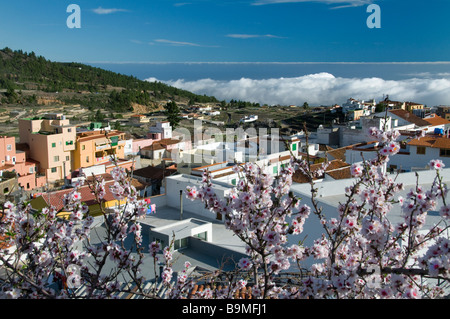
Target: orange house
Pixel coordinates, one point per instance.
(97, 147)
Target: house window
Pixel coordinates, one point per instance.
(87, 159)
(233, 181)
(9, 147)
(53, 144)
(56, 158)
(53, 169)
(275, 169)
(181, 243)
(202, 235)
(67, 158)
(421, 150)
(83, 147)
(444, 152)
(294, 147)
(31, 170)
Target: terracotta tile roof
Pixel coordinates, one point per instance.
(433, 141)
(168, 141)
(206, 166)
(56, 198)
(342, 173)
(280, 159)
(224, 174)
(106, 177)
(138, 184)
(436, 120)
(154, 147)
(6, 166)
(337, 168)
(407, 116)
(30, 161)
(305, 155)
(161, 144)
(338, 153)
(324, 147)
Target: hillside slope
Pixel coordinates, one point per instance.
(25, 78)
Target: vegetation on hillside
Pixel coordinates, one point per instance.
(26, 71)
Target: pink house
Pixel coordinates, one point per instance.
(15, 160)
(163, 148)
(141, 143)
(161, 131)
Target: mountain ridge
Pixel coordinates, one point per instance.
(82, 84)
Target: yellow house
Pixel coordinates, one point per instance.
(410, 106)
(98, 147)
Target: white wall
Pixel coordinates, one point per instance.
(405, 162)
(177, 183)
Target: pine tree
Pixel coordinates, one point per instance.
(173, 114)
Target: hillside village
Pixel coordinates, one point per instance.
(51, 152)
(52, 155)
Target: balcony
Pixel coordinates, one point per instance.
(101, 159)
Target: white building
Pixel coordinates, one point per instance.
(162, 130)
(249, 118)
(413, 156)
(353, 105)
(331, 193)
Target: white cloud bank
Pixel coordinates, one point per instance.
(320, 89)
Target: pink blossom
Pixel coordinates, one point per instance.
(436, 164)
(356, 170)
(245, 263)
(445, 212)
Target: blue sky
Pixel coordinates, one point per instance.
(232, 31)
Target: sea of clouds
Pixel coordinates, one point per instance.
(320, 89)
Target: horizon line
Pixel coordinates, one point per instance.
(256, 62)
